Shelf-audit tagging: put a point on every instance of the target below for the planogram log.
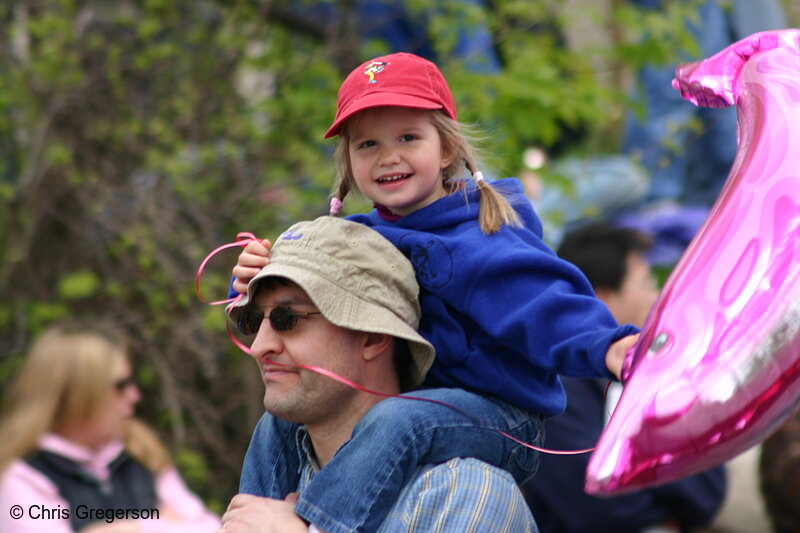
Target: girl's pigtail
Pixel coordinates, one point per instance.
(342, 188)
(495, 211)
(336, 207)
(344, 178)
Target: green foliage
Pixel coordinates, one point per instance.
(78, 285)
(192, 466)
(663, 33)
(194, 469)
(137, 136)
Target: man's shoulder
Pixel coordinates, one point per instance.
(463, 494)
(463, 471)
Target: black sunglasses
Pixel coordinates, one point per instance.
(280, 318)
(124, 383)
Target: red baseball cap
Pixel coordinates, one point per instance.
(400, 80)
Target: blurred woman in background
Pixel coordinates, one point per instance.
(73, 458)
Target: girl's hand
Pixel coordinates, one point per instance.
(615, 356)
(253, 258)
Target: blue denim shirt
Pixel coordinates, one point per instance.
(461, 495)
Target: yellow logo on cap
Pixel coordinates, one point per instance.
(374, 67)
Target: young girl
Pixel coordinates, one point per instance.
(505, 315)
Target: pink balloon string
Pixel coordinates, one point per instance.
(242, 239)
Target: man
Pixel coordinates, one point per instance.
(338, 298)
(613, 260)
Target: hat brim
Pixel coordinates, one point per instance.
(380, 99)
(344, 309)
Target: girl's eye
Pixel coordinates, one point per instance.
(366, 144)
(408, 137)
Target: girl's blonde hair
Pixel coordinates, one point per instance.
(66, 379)
(495, 211)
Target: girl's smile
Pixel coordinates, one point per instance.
(396, 157)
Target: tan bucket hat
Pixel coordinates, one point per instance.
(355, 277)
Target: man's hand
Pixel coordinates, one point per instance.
(615, 356)
(253, 514)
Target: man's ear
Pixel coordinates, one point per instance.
(376, 344)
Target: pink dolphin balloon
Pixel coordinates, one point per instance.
(717, 367)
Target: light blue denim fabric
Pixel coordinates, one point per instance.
(358, 487)
(271, 466)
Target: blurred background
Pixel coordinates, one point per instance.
(138, 135)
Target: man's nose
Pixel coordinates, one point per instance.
(267, 341)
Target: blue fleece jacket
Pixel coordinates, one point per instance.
(505, 314)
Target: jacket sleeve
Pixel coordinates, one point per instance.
(30, 502)
(531, 301)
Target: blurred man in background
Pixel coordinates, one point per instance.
(614, 261)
